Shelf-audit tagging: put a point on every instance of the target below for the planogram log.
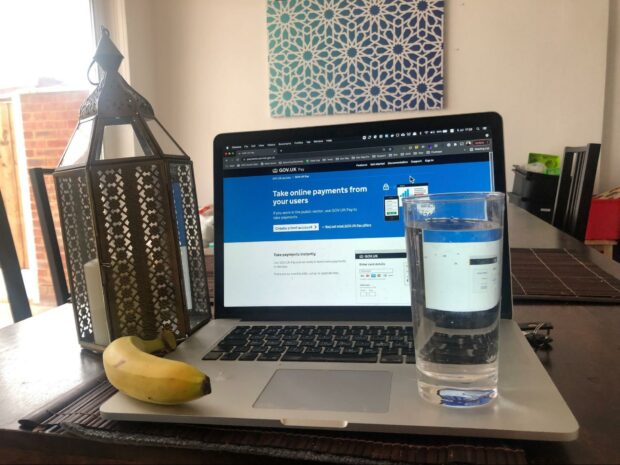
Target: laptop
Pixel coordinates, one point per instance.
(312, 321)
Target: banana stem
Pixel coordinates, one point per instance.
(166, 342)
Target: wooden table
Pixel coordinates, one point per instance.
(40, 360)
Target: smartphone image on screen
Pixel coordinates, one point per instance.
(390, 208)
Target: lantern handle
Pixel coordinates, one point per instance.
(105, 32)
(88, 74)
(107, 56)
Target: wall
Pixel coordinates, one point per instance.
(541, 64)
(142, 49)
(609, 170)
(48, 120)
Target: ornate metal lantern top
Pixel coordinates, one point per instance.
(114, 103)
(113, 96)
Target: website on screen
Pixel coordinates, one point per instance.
(320, 223)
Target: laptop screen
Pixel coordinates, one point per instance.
(312, 218)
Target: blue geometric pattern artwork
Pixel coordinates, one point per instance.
(348, 56)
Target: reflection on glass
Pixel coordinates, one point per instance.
(179, 214)
(77, 150)
(167, 145)
(120, 141)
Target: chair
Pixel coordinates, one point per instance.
(15, 289)
(572, 202)
(50, 239)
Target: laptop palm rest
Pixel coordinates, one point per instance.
(331, 390)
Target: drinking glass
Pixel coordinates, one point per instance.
(454, 252)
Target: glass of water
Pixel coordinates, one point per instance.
(454, 251)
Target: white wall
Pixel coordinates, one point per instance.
(541, 64)
(609, 169)
(141, 48)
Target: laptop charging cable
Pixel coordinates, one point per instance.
(538, 334)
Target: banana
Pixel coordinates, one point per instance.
(132, 369)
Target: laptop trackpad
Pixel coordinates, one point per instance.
(335, 390)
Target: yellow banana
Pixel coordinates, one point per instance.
(132, 369)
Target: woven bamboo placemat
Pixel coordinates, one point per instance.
(81, 418)
(560, 275)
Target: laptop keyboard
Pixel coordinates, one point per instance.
(354, 344)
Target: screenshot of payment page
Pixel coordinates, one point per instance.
(312, 223)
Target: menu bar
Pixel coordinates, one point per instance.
(272, 157)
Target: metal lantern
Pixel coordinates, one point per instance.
(129, 215)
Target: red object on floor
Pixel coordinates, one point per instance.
(604, 218)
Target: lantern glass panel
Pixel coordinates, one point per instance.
(181, 233)
(166, 143)
(77, 150)
(121, 141)
(191, 254)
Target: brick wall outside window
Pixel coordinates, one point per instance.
(49, 119)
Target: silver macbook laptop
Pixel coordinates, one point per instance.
(312, 324)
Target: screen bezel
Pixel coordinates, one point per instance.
(347, 313)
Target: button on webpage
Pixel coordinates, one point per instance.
(295, 227)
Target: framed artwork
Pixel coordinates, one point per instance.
(350, 56)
